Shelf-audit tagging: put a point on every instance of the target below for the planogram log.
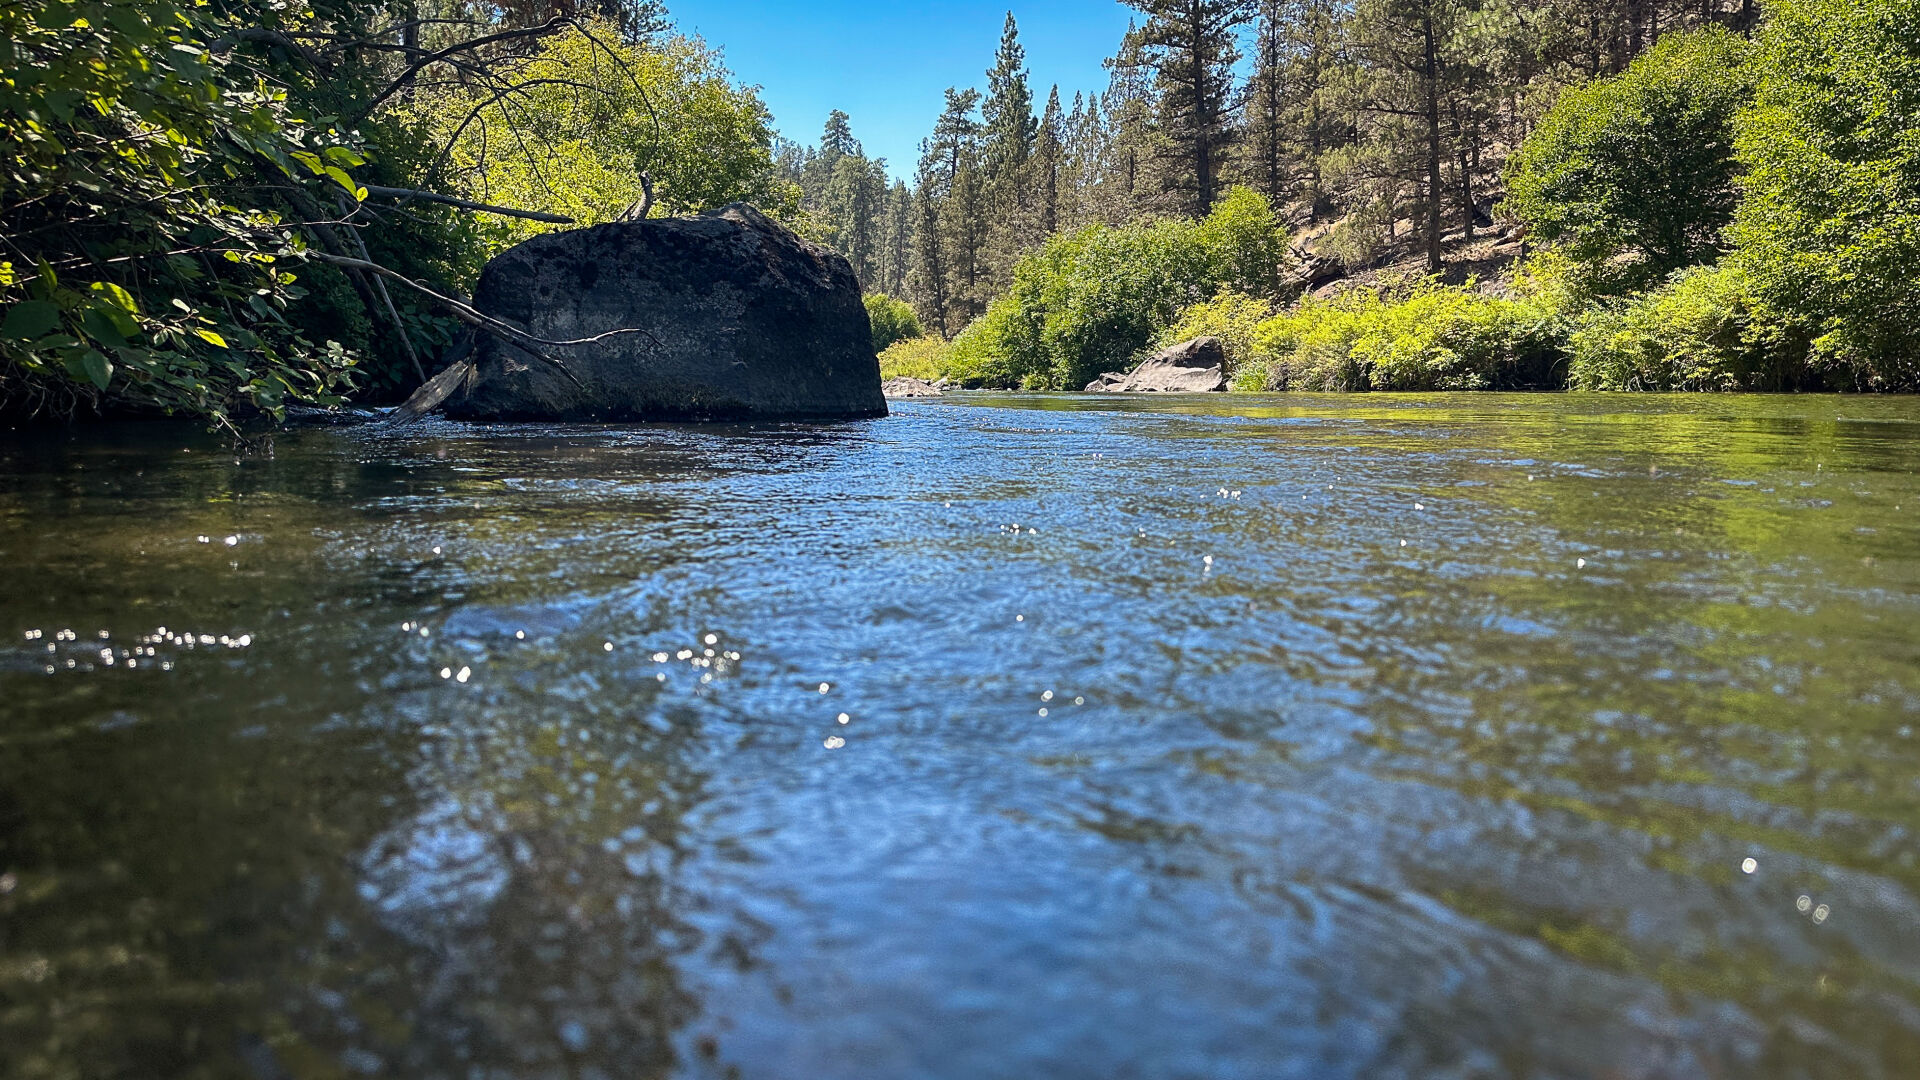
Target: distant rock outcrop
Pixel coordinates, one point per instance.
(1193, 367)
(738, 319)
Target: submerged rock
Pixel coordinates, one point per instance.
(903, 387)
(741, 319)
(1192, 367)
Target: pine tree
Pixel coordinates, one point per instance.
(896, 259)
(1407, 45)
(1010, 129)
(964, 222)
(1266, 111)
(1049, 164)
(1124, 175)
(1191, 44)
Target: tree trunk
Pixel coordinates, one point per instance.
(1466, 173)
(1431, 75)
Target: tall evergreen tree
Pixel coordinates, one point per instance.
(1123, 182)
(1049, 165)
(1192, 46)
(1010, 129)
(896, 243)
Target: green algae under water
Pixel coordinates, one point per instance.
(1435, 736)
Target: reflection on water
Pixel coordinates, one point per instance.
(1069, 737)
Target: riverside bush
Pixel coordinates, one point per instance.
(1704, 330)
(916, 358)
(1426, 336)
(892, 320)
(1093, 300)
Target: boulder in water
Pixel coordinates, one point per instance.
(739, 319)
(1192, 367)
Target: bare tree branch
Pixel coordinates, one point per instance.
(551, 26)
(467, 314)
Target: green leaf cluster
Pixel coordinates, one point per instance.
(915, 358)
(148, 174)
(1703, 330)
(1422, 336)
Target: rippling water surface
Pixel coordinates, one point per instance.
(1482, 736)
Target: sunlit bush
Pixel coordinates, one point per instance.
(1704, 330)
(916, 358)
(1426, 336)
(1094, 300)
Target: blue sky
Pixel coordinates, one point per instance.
(888, 64)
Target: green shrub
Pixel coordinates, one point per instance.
(1642, 164)
(893, 320)
(1703, 331)
(915, 358)
(1830, 229)
(1092, 301)
(1426, 336)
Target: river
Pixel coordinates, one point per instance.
(1316, 737)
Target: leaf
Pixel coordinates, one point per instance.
(310, 160)
(210, 337)
(30, 319)
(339, 176)
(117, 294)
(99, 323)
(345, 156)
(99, 368)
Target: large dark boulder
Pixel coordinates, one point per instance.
(1191, 367)
(741, 318)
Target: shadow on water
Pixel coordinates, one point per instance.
(1513, 735)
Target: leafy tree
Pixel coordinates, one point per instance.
(1830, 228)
(593, 126)
(1642, 163)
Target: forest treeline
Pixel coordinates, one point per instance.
(225, 208)
(1709, 195)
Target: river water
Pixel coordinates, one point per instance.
(1317, 737)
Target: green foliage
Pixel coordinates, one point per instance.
(915, 358)
(1426, 336)
(1703, 331)
(594, 115)
(149, 181)
(1830, 230)
(1090, 301)
(892, 320)
(1642, 164)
